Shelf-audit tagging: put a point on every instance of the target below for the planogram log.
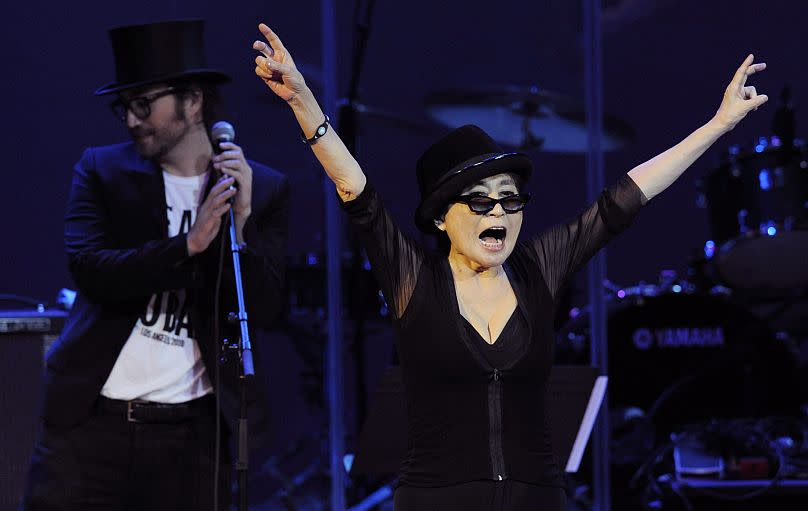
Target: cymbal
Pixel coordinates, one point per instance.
(525, 118)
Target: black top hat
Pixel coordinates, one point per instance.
(461, 158)
(158, 52)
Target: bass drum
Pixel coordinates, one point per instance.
(758, 207)
(683, 357)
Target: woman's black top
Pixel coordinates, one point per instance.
(470, 418)
(509, 344)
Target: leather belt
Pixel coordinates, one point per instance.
(150, 412)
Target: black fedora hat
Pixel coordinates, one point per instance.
(158, 52)
(461, 158)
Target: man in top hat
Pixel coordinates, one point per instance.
(130, 414)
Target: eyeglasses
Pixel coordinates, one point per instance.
(140, 106)
(482, 204)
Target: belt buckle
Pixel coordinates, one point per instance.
(130, 411)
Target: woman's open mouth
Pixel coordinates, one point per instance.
(493, 238)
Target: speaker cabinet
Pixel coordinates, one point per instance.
(24, 338)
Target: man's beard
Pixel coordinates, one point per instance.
(161, 140)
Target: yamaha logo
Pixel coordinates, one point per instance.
(643, 339)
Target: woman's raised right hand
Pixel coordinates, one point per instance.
(275, 66)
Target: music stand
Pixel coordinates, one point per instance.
(574, 395)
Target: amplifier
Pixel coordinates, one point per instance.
(24, 338)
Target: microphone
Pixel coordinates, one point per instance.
(221, 131)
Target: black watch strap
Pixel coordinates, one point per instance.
(319, 132)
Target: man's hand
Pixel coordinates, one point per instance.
(231, 162)
(209, 216)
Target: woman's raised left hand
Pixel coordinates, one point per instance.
(276, 67)
(739, 98)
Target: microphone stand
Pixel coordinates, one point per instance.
(247, 371)
(224, 132)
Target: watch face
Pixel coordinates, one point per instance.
(321, 130)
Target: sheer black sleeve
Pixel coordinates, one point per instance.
(565, 248)
(395, 258)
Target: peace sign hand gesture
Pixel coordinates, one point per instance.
(739, 98)
(276, 67)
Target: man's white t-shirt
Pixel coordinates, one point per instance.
(161, 361)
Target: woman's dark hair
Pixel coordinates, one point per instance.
(443, 245)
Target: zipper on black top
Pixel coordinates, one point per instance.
(495, 426)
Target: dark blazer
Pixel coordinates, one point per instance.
(119, 254)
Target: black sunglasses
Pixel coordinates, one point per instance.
(482, 204)
(140, 106)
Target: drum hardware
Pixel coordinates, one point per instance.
(669, 282)
(575, 343)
